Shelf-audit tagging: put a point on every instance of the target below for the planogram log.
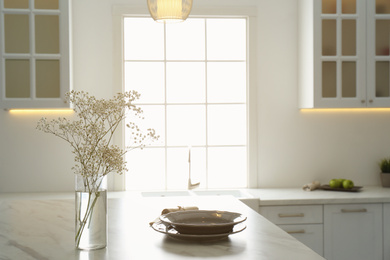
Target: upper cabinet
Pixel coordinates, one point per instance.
(35, 53)
(344, 53)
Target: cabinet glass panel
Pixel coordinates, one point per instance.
(16, 4)
(329, 6)
(16, 32)
(348, 7)
(329, 79)
(46, 4)
(382, 6)
(17, 78)
(382, 79)
(348, 79)
(348, 37)
(382, 37)
(47, 34)
(47, 78)
(329, 37)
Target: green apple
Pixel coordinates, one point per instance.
(348, 184)
(335, 183)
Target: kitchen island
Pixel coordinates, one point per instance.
(42, 227)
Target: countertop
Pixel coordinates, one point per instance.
(297, 196)
(41, 227)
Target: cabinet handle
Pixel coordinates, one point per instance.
(363, 101)
(353, 210)
(296, 232)
(299, 215)
(370, 101)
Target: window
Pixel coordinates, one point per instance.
(192, 77)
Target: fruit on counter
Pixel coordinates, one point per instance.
(335, 183)
(341, 183)
(348, 184)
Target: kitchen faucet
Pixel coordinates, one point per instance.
(190, 184)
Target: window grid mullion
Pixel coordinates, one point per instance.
(165, 110)
(206, 106)
(32, 50)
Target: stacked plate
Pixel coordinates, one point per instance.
(202, 225)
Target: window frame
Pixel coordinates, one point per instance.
(117, 182)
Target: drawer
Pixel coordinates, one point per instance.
(311, 235)
(310, 214)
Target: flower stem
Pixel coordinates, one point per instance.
(88, 214)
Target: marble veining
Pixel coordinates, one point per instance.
(44, 229)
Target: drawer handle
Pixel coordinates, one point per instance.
(296, 232)
(299, 215)
(353, 210)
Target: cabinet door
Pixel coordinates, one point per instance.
(353, 231)
(35, 53)
(310, 235)
(378, 57)
(386, 230)
(341, 54)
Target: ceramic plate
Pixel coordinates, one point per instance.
(172, 232)
(202, 222)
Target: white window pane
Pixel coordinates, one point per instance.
(178, 167)
(186, 41)
(227, 167)
(186, 125)
(153, 117)
(226, 124)
(147, 78)
(185, 82)
(143, 39)
(226, 39)
(226, 82)
(146, 169)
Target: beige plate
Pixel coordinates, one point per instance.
(203, 222)
(172, 232)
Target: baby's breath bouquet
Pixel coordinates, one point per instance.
(90, 136)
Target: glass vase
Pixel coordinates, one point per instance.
(91, 212)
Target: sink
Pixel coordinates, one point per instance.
(165, 193)
(234, 193)
(178, 193)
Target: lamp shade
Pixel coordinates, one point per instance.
(169, 10)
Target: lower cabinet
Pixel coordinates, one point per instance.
(353, 232)
(386, 231)
(337, 231)
(309, 234)
(302, 222)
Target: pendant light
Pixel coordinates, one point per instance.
(169, 11)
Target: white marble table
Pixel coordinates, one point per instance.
(44, 229)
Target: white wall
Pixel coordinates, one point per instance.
(294, 147)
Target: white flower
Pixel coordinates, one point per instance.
(90, 135)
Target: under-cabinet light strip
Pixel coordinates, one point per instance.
(39, 111)
(345, 109)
